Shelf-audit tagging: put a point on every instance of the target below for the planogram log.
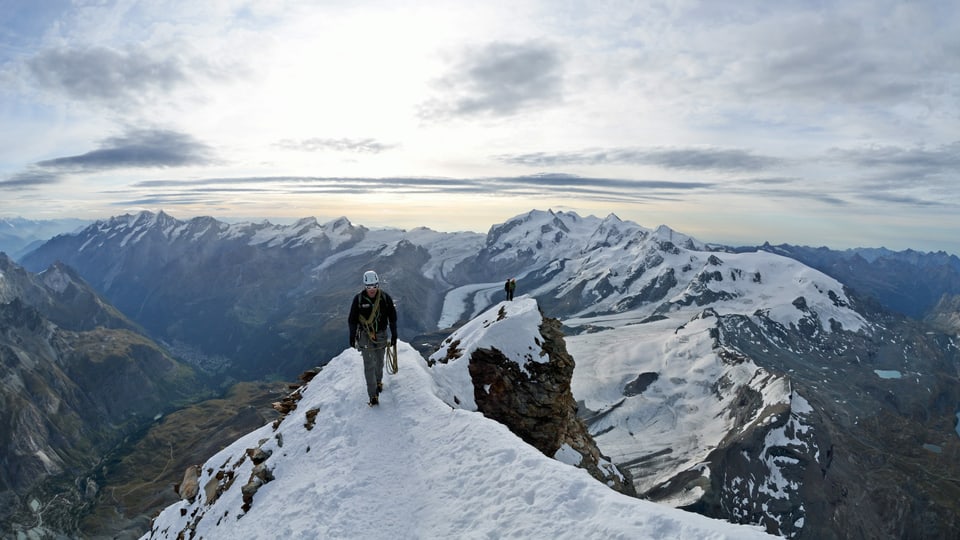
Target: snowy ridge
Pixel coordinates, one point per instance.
(133, 228)
(302, 232)
(410, 468)
(549, 235)
(752, 282)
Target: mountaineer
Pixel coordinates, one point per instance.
(509, 287)
(371, 312)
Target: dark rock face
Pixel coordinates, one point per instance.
(539, 407)
(70, 391)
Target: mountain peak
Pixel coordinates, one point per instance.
(338, 224)
(612, 218)
(306, 222)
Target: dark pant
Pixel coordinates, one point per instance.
(373, 353)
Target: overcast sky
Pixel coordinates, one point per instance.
(806, 122)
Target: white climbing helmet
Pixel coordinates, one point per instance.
(370, 278)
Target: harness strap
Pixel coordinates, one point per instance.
(370, 323)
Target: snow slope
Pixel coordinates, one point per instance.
(413, 468)
(676, 421)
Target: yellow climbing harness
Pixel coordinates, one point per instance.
(369, 324)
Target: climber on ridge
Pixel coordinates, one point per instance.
(371, 313)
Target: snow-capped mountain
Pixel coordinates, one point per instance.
(417, 466)
(744, 386)
(588, 267)
(255, 297)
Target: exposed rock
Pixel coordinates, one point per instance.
(638, 385)
(311, 418)
(945, 316)
(539, 407)
(189, 487)
(216, 485)
(289, 402)
(260, 475)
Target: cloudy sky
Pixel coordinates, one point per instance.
(810, 122)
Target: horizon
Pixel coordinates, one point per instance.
(804, 123)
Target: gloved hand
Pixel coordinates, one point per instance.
(393, 341)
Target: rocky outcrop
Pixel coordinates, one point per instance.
(188, 488)
(945, 316)
(537, 405)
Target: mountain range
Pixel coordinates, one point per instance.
(19, 236)
(740, 384)
(908, 282)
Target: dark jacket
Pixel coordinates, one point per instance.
(363, 305)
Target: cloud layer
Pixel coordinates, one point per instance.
(827, 121)
(141, 148)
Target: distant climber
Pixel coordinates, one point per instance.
(371, 312)
(509, 287)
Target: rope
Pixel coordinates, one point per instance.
(392, 365)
